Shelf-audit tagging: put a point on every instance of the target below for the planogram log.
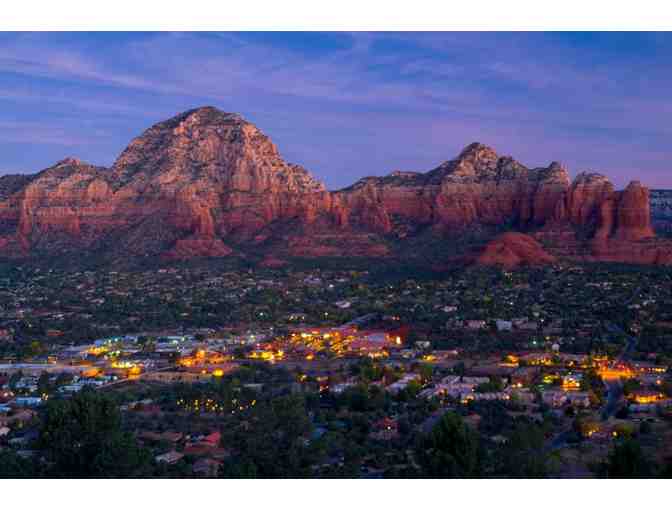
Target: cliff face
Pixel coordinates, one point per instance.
(585, 197)
(625, 232)
(477, 187)
(203, 175)
(213, 174)
(209, 183)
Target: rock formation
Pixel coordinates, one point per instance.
(210, 184)
(514, 249)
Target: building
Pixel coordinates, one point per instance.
(503, 325)
(402, 383)
(171, 457)
(208, 468)
(28, 401)
(475, 324)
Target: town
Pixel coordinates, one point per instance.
(550, 371)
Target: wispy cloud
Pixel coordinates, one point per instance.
(360, 102)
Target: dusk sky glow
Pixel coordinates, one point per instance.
(347, 105)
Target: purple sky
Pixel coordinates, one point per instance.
(346, 105)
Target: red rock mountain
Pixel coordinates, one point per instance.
(209, 183)
(514, 249)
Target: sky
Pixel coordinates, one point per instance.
(349, 105)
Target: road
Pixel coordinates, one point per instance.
(614, 386)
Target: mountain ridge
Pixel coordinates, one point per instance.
(211, 184)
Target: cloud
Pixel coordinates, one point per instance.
(327, 99)
(37, 133)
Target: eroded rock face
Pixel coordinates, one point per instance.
(205, 180)
(624, 232)
(477, 187)
(585, 196)
(205, 174)
(514, 249)
(67, 201)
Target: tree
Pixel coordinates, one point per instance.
(43, 384)
(523, 454)
(82, 437)
(273, 445)
(627, 460)
(14, 379)
(451, 450)
(14, 466)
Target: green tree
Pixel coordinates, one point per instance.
(451, 450)
(14, 466)
(523, 454)
(82, 437)
(627, 460)
(43, 384)
(273, 445)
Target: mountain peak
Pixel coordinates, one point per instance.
(476, 161)
(69, 161)
(477, 150)
(213, 148)
(207, 115)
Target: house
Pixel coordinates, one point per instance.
(385, 429)
(208, 468)
(21, 417)
(171, 457)
(648, 368)
(475, 380)
(524, 376)
(493, 370)
(528, 326)
(578, 398)
(518, 321)
(156, 437)
(538, 358)
(572, 381)
(573, 360)
(494, 395)
(213, 438)
(28, 401)
(296, 317)
(651, 379)
(402, 383)
(443, 354)
(476, 324)
(503, 325)
(176, 376)
(340, 387)
(646, 396)
(200, 449)
(553, 398)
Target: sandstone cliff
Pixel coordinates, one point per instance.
(210, 184)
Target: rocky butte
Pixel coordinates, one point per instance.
(210, 184)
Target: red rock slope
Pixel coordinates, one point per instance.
(514, 249)
(209, 183)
